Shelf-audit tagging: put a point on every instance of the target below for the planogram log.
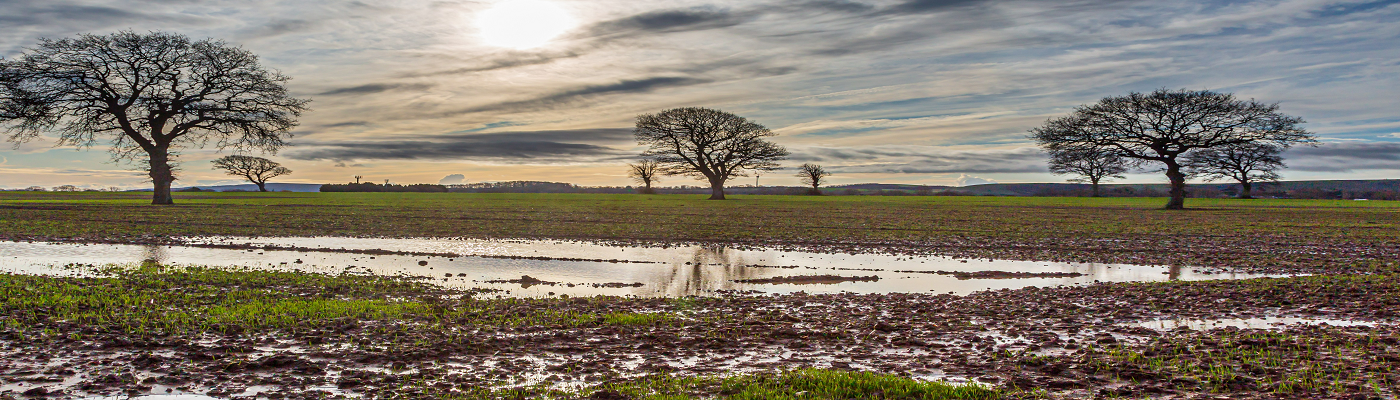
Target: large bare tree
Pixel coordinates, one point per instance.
(1091, 165)
(708, 144)
(813, 175)
(255, 169)
(646, 172)
(151, 93)
(1164, 125)
(1247, 164)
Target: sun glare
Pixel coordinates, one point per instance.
(523, 24)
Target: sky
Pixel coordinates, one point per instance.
(938, 92)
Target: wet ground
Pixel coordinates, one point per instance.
(1098, 341)
(588, 268)
(1032, 329)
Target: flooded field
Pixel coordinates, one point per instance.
(533, 268)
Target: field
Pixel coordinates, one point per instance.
(1298, 235)
(225, 333)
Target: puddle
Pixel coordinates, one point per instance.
(586, 268)
(1245, 323)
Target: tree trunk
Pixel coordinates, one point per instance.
(716, 189)
(162, 176)
(262, 186)
(1094, 183)
(1178, 191)
(1245, 187)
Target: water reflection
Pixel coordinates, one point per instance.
(153, 254)
(582, 268)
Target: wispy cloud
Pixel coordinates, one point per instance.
(1344, 157)
(571, 146)
(892, 87)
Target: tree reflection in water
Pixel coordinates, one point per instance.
(708, 269)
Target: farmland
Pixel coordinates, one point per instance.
(230, 332)
(1306, 235)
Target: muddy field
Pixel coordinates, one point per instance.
(318, 336)
(1289, 236)
(222, 332)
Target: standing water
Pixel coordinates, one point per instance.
(586, 268)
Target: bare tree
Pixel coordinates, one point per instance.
(357, 179)
(813, 175)
(645, 172)
(1164, 125)
(1091, 165)
(146, 93)
(1245, 163)
(255, 169)
(707, 144)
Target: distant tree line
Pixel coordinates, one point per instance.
(375, 187)
(514, 187)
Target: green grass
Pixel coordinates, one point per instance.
(802, 384)
(681, 217)
(156, 300)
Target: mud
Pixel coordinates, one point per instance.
(964, 275)
(1062, 342)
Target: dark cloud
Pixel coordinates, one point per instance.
(1344, 157)
(539, 146)
(376, 88)
(922, 159)
(346, 124)
(569, 96)
(278, 28)
(679, 20)
(507, 61)
(925, 6)
(835, 5)
(44, 14)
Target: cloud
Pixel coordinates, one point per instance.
(560, 146)
(376, 88)
(453, 179)
(1344, 157)
(568, 96)
(675, 20)
(346, 124)
(278, 28)
(969, 180)
(890, 159)
(924, 6)
(508, 60)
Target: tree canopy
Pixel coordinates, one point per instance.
(1091, 165)
(255, 169)
(707, 144)
(812, 175)
(1246, 163)
(645, 172)
(147, 93)
(1164, 125)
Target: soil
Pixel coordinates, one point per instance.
(1072, 342)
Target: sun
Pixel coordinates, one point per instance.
(523, 24)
